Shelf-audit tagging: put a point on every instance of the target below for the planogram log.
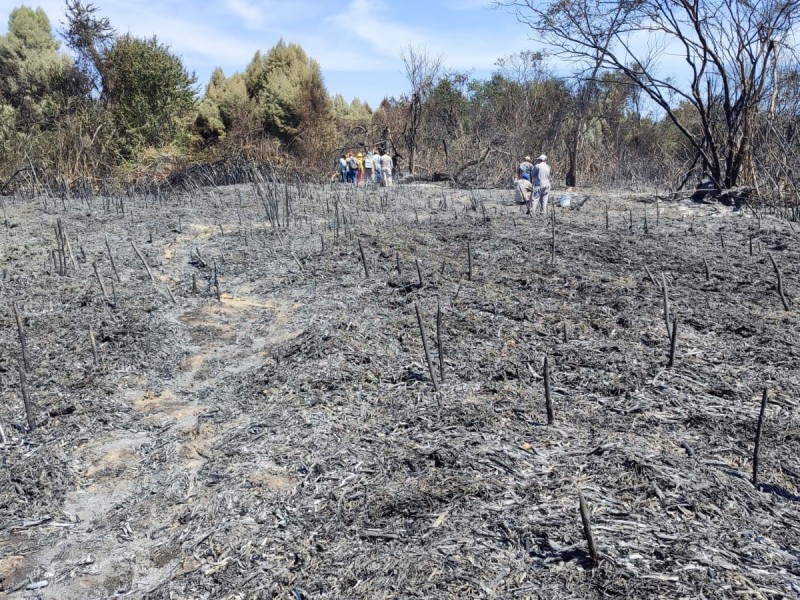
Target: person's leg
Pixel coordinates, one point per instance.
(545, 193)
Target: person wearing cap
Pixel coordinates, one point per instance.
(524, 169)
(540, 175)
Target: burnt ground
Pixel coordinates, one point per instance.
(285, 439)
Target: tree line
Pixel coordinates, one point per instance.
(119, 110)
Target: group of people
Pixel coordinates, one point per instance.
(366, 169)
(532, 184)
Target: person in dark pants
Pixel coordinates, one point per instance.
(352, 168)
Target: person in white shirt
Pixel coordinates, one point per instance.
(369, 168)
(541, 184)
(386, 169)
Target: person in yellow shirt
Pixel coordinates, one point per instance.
(360, 159)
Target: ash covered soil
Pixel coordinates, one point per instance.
(282, 439)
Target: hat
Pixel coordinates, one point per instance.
(542, 157)
(527, 158)
(359, 154)
(526, 176)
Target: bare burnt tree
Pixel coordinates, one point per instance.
(729, 48)
(421, 70)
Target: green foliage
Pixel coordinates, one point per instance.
(224, 101)
(32, 72)
(148, 92)
(275, 81)
(352, 114)
(89, 36)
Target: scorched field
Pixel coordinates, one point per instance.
(226, 393)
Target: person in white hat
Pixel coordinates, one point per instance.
(541, 184)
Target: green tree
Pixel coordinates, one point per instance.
(279, 84)
(148, 92)
(89, 36)
(224, 101)
(32, 72)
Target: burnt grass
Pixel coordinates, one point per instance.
(279, 435)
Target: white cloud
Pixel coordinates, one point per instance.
(463, 5)
(365, 20)
(249, 12)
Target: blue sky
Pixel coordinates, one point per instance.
(356, 42)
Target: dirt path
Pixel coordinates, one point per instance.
(124, 501)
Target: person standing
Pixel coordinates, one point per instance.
(360, 159)
(376, 163)
(524, 169)
(342, 162)
(541, 184)
(386, 168)
(352, 168)
(368, 168)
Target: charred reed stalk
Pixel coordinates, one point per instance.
(63, 245)
(757, 444)
(397, 263)
(425, 347)
(553, 241)
(587, 529)
(666, 304)
(111, 259)
(419, 272)
(469, 262)
(565, 332)
(100, 281)
(93, 342)
(780, 281)
(673, 342)
(650, 275)
(23, 386)
(144, 262)
(606, 215)
(216, 282)
(194, 283)
(548, 401)
(363, 260)
(439, 339)
(22, 343)
(708, 271)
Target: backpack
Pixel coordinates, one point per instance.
(368, 162)
(352, 163)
